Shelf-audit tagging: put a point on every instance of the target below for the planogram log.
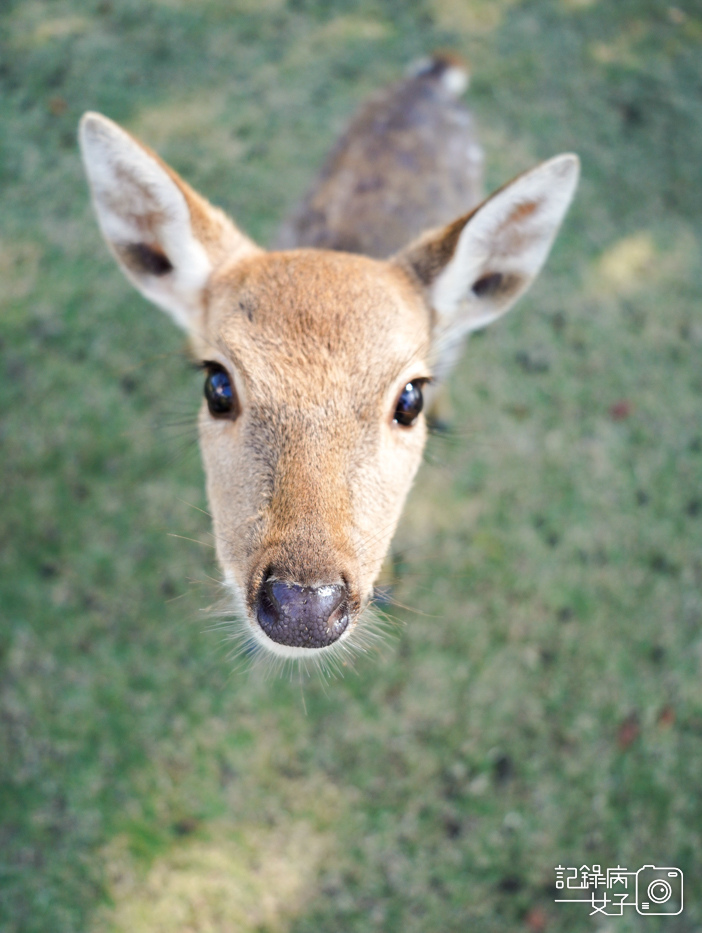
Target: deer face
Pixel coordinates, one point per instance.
(308, 472)
(312, 432)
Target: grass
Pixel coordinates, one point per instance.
(541, 702)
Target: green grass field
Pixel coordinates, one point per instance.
(541, 702)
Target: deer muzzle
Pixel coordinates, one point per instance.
(302, 616)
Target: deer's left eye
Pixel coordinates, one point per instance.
(219, 392)
(409, 404)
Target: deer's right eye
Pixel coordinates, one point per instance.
(219, 392)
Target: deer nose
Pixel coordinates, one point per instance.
(302, 616)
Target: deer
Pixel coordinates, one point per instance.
(322, 356)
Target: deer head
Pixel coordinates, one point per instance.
(316, 362)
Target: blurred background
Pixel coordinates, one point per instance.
(540, 703)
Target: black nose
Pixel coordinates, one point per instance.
(302, 616)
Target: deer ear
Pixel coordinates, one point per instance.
(477, 267)
(165, 236)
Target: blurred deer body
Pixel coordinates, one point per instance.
(409, 161)
(316, 357)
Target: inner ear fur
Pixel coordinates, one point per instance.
(166, 237)
(474, 269)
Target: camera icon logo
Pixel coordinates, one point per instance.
(659, 891)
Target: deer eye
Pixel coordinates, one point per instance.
(219, 392)
(409, 404)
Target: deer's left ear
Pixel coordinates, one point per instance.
(477, 267)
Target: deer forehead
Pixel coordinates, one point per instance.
(316, 320)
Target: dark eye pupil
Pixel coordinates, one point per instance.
(219, 392)
(409, 404)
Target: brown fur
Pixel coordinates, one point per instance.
(210, 226)
(308, 473)
(428, 256)
(409, 160)
(305, 484)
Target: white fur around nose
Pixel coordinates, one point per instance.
(256, 633)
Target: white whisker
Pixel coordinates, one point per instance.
(250, 649)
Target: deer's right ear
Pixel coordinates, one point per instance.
(165, 236)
